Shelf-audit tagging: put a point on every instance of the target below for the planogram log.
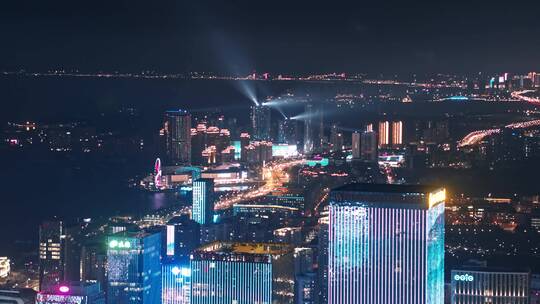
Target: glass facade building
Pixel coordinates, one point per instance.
(134, 268)
(224, 273)
(177, 131)
(260, 122)
(176, 284)
(484, 285)
(386, 244)
(203, 201)
(50, 253)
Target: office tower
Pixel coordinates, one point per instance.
(50, 253)
(260, 122)
(203, 201)
(386, 244)
(355, 145)
(368, 146)
(313, 128)
(134, 268)
(322, 260)
(288, 132)
(5, 267)
(177, 128)
(176, 282)
(94, 261)
(182, 236)
(244, 142)
(198, 143)
(480, 285)
(384, 133)
(242, 273)
(397, 133)
(72, 292)
(306, 288)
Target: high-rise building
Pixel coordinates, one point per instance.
(176, 283)
(242, 273)
(134, 268)
(50, 253)
(94, 261)
(287, 132)
(368, 146)
(260, 122)
(177, 128)
(313, 128)
(306, 288)
(322, 260)
(355, 145)
(203, 201)
(386, 244)
(384, 133)
(480, 285)
(397, 133)
(244, 142)
(72, 293)
(182, 236)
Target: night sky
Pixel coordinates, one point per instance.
(274, 36)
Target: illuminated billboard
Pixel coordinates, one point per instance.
(284, 151)
(120, 243)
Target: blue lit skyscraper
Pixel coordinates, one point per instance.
(224, 273)
(203, 201)
(176, 284)
(386, 244)
(134, 268)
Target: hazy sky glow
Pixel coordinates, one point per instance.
(240, 36)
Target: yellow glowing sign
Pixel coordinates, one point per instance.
(436, 197)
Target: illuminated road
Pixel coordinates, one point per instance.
(519, 95)
(476, 137)
(275, 174)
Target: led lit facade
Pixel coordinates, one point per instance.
(71, 293)
(485, 285)
(384, 133)
(176, 284)
(203, 201)
(397, 133)
(134, 268)
(224, 273)
(386, 244)
(177, 131)
(260, 122)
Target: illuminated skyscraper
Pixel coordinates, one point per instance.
(182, 236)
(313, 128)
(397, 133)
(260, 122)
(368, 146)
(356, 145)
(203, 201)
(242, 273)
(177, 129)
(480, 285)
(50, 253)
(384, 133)
(176, 283)
(134, 268)
(386, 244)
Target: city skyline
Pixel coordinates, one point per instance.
(245, 152)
